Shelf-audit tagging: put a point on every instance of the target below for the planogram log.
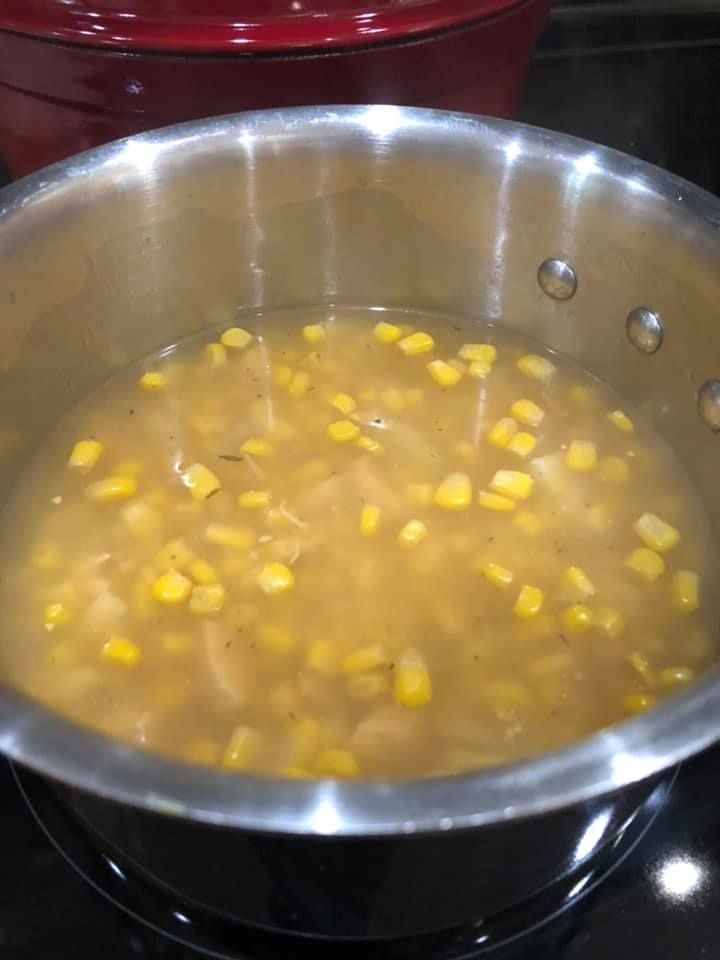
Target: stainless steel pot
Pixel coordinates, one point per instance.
(123, 249)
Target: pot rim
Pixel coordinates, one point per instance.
(608, 760)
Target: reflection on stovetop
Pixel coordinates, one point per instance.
(659, 902)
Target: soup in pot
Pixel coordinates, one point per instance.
(354, 543)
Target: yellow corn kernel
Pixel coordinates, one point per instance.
(621, 420)
(502, 433)
(299, 384)
(522, 444)
(369, 443)
(202, 751)
(529, 602)
(497, 575)
(639, 702)
(369, 520)
(344, 403)
(443, 373)
(236, 338)
(686, 591)
(142, 521)
(322, 657)
(343, 431)
(55, 615)
(421, 494)
(171, 587)
(314, 333)
(581, 455)
(393, 400)
(535, 367)
(153, 380)
(46, 556)
(282, 375)
(655, 533)
(120, 650)
(466, 450)
(576, 580)
(512, 483)
(482, 352)
(85, 454)
(494, 501)
(577, 618)
(176, 555)
(414, 397)
(365, 686)
(175, 643)
(236, 538)
(673, 678)
(257, 447)
(387, 332)
(609, 620)
(416, 343)
(454, 493)
(412, 686)
(614, 470)
(647, 563)
(200, 481)
(364, 659)
(275, 578)
(276, 639)
(207, 598)
(641, 665)
(528, 413)
(243, 746)
(111, 488)
(412, 533)
(254, 499)
(215, 354)
(336, 763)
(530, 523)
(479, 369)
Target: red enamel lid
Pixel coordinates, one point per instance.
(240, 26)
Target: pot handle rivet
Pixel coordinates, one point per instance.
(644, 330)
(708, 404)
(557, 278)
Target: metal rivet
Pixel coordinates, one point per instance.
(644, 329)
(708, 404)
(557, 279)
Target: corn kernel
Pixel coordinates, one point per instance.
(416, 343)
(200, 481)
(609, 620)
(528, 413)
(614, 470)
(454, 493)
(387, 332)
(393, 400)
(282, 375)
(483, 352)
(364, 659)
(530, 523)
(412, 686)
(529, 602)
(243, 746)
(639, 702)
(47, 555)
(497, 575)
(655, 533)
(494, 501)
(622, 421)
(365, 686)
(215, 354)
(55, 615)
(369, 520)
(111, 488)
(576, 580)
(421, 494)
(522, 444)
(577, 618)
(299, 384)
(176, 555)
(369, 443)
(207, 598)
(647, 563)
(236, 338)
(254, 499)
(641, 665)
(257, 447)
(276, 639)
(443, 373)
(479, 369)
(466, 450)
(275, 578)
(322, 657)
(153, 380)
(512, 483)
(686, 591)
(673, 678)
(412, 533)
(171, 587)
(142, 521)
(581, 455)
(314, 333)
(202, 751)
(85, 454)
(537, 368)
(344, 403)
(120, 650)
(343, 431)
(174, 643)
(502, 433)
(336, 763)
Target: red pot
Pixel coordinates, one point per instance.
(77, 73)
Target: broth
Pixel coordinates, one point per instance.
(354, 543)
